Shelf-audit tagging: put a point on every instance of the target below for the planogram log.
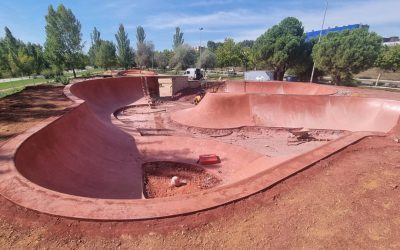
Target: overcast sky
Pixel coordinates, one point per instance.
(239, 19)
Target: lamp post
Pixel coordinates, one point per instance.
(201, 28)
(319, 39)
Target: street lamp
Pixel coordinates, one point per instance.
(201, 28)
(319, 39)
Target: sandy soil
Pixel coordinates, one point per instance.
(349, 200)
(157, 179)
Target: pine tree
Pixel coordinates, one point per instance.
(124, 52)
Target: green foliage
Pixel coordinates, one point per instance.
(178, 38)
(246, 43)
(95, 45)
(62, 79)
(50, 73)
(36, 52)
(228, 54)
(213, 46)
(140, 35)
(145, 50)
(162, 58)
(106, 57)
(303, 65)
(125, 53)
(342, 54)
(280, 45)
(208, 60)
(63, 38)
(389, 58)
(185, 57)
(19, 59)
(144, 54)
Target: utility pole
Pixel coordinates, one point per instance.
(200, 47)
(319, 39)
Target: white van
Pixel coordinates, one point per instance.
(194, 74)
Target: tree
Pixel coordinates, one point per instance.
(162, 58)
(178, 38)
(144, 54)
(4, 64)
(11, 46)
(228, 54)
(208, 60)
(36, 52)
(389, 58)
(106, 55)
(63, 38)
(246, 43)
(213, 46)
(342, 54)
(280, 45)
(140, 35)
(95, 45)
(125, 53)
(302, 68)
(145, 50)
(185, 57)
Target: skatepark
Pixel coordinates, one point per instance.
(90, 162)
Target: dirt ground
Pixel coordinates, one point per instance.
(24, 109)
(157, 179)
(349, 200)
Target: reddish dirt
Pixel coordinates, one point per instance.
(349, 200)
(157, 179)
(22, 110)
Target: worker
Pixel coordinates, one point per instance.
(198, 97)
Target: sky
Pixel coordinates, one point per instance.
(238, 19)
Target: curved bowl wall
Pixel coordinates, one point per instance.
(82, 165)
(292, 111)
(278, 87)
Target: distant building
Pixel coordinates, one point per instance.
(390, 41)
(315, 34)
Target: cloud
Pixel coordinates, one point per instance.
(212, 20)
(242, 23)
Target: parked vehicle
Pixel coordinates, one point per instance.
(194, 74)
(258, 76)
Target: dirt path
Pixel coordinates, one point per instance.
(350, 200)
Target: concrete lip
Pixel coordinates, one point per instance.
(82, 165)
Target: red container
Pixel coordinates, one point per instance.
(208, 159)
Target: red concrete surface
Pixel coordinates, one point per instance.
(293, 111)
(82, 165)
(277, 87)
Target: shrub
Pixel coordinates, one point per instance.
(51, 73)
(62, 79)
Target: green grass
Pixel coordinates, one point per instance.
(10, 91)
(21, 83)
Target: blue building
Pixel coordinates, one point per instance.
(315, 34)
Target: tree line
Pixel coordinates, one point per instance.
(283, 48)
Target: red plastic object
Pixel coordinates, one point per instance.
(208, 159)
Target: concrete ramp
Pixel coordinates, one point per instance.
(82, 153)
(316, 112)
(83, 165)
(277, 87)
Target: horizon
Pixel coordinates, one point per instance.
(237, 19)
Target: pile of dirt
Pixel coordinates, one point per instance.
(157, 179)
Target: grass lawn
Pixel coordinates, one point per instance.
(21, 83)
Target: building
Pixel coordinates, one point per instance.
(390, 41)
(315, 34)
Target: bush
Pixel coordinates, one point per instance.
(51, 73)
(62, 79)
(87, 74)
